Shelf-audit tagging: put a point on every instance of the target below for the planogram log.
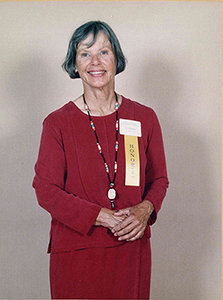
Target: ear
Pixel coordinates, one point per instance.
(75, 69)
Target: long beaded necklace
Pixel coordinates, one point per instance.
(111, 191)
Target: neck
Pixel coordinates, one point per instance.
(100, 103)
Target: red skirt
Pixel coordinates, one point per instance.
(121, 272)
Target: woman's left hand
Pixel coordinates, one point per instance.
(134, 224)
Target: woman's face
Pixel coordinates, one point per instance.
(96, 65)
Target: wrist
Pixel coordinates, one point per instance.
(148, 205)
(102, 217)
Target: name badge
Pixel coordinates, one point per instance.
(130, 127)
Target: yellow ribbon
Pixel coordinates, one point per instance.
(132, 162)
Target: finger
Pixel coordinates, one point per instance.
(139, 235)
(121, 212)
(127, 221)
(131, 234)
(116, 221)
(120, 219)
(132, 228)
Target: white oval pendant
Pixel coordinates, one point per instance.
(111, 194)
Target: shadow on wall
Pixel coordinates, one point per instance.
(24, 263)
(184, 239)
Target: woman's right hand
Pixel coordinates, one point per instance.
(107, 219)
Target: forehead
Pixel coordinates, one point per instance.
(101, 41)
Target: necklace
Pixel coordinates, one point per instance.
(111, 191)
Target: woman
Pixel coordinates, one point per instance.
(101, 174)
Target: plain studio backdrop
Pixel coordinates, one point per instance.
(174, 52)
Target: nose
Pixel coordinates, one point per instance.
(95, 59)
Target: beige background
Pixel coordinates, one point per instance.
(174, 52)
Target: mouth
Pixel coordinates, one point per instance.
(96, 72)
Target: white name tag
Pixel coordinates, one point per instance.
(129, 127)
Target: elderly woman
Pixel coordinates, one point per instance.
(101, 174)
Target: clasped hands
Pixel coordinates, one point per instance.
(126, 224)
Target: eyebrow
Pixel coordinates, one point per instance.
(85, 44)
(82, 45)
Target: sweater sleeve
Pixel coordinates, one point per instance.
(49, 183)
(156, 172)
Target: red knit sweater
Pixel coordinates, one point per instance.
(71, 182)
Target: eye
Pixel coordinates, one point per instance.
(84, 54)
(104, 52)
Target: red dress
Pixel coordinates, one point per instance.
(87, 261)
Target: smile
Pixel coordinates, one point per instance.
(96, 72)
